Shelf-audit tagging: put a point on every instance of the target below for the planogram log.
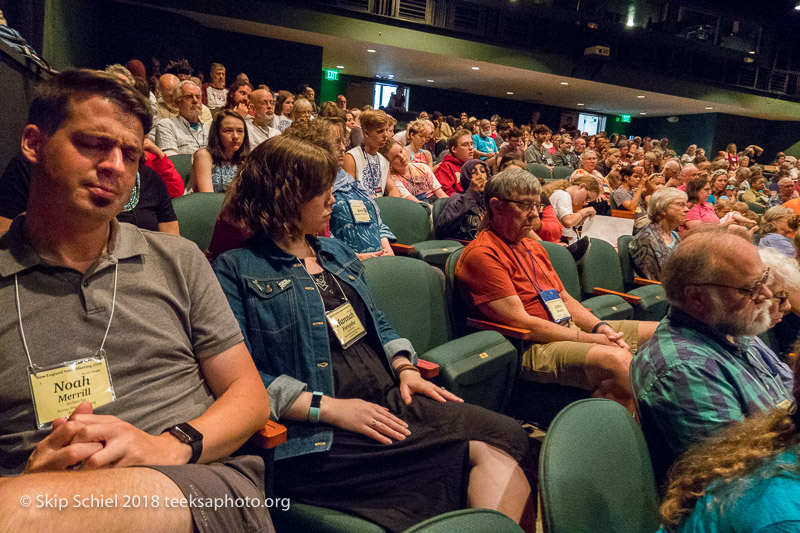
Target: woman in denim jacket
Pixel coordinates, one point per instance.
(339, 376)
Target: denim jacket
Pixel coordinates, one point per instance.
(282, 317)
(362, 237)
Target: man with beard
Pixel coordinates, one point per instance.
(704, 367)
(261, 126)
(484, 144)
(185, 133)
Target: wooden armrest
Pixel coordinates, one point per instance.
(270, 436)
(645, 281)
(623, 213)
(506, 331)
(402, 249)
(427, 369)
(633, 300)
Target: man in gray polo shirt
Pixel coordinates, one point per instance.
(185, 133)
(117, 346)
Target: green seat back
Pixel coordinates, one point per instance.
(410, 293)
(183, 164)
(438, 205)
(456, 305)
(601, 269)
(564, 265)
(625, 261)
(197, 214)
(595, 472)
(540, 171)
(468, 521)
(409, 221)
(756, 208)
(562, 172)
(313, 519)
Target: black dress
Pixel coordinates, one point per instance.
(408, 481)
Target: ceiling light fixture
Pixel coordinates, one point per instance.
(642, 113)
(564, 83)
(430, 81)
(709, 108)
(509, 92)
(639, 96)
(581, 104)
(370, 50)
(339, 66)
(476, 68)
(752, 52)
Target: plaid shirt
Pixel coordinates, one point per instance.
(689, 382)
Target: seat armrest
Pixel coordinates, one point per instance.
(506, 331)
(270, 436)
(402, 249)
(633, 300)
(427, 369)
(645, 281)
(623, 213)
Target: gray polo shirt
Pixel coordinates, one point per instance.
(170, 313)
(177, 134)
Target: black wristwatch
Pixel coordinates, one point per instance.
(188, 435)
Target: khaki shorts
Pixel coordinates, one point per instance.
(563, 361)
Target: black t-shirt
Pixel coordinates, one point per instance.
(154, 207)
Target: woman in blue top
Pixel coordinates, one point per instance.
(366, 434)
(214, 167)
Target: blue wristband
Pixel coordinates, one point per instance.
(313, 410)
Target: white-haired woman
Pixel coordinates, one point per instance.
(776, 225)
(650, 247)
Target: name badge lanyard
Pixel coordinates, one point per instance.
(344, 322)
(550, 298)
(191, 132)
(87, 379)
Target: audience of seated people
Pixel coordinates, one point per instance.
(503, 275)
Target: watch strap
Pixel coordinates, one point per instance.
(189, 435)
(314, 409)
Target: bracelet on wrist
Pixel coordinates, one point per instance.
(314, 409)
(600, 325)
(404, 367)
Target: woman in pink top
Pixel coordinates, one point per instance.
(698, 191)
(414, 181)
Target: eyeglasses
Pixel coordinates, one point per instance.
(526, 206)
(467, 145)
(782, 297)
(753, 291)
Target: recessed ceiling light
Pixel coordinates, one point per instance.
(642, 113)
(581, 104)
(564, 83)
(370, 50)
(476, 68)
(709, 108)
(430, 81)
(752, 52)
(639, 96)
(339, 66)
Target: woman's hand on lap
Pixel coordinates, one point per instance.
(412, 383)
(359, 416)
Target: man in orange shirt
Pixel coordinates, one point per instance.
(507, 277)
(794, 205)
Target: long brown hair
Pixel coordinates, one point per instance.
(215, 147)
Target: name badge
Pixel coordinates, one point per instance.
(555, 306)
(378, 192)
(345, 324)
(784, 404)
(606, 188)
(57, 391)
(359, 210)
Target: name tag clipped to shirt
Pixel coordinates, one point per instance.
(58, 390)
(555, 306)
(345, 324)
(359, 210)
(784, 404)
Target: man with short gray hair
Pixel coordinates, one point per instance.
(671, 171)
(185, 133)
(703, 366)
(785, 192)
(506, 276)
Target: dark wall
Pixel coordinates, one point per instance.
(134, 32)
(690, 129)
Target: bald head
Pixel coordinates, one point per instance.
(166, 86)
(708, 254)
(689, 173)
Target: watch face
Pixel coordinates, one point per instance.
(186, 433)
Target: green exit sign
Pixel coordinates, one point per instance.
(626, 118)
(332, 75)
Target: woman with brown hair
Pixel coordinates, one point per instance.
(414, 181)
(363, 425)
(284, 103)
(214, 167)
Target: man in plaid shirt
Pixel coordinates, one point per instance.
(704, 367)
